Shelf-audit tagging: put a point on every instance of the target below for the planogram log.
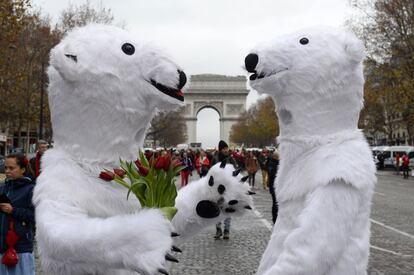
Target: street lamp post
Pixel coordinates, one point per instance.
(42, 91)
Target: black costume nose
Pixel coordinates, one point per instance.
(250, 62)
(183, 80)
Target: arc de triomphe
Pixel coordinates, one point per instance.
(225, 94)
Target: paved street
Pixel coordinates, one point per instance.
(392, 241)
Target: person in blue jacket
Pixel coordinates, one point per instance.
(16, 204)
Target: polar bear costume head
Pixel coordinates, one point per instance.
(105, 87)
(314, 76)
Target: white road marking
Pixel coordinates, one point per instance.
(389, 251)
(263, 220)
(269, 226)
(393, 229)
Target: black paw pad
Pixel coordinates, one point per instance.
(230, 210)
(223, 163)
(211, 181)
(207, 209)
(244, 179)
(233, 202)
(221, 189)
(236, 172)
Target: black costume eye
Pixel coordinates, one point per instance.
(128, 49)
(304, 41)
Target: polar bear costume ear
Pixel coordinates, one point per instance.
(354, 48)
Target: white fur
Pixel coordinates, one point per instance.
(187, 222)
(326, 177)
(101, 107)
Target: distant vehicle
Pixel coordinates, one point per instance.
(182, 147)
(195, 145)
(254, 149)
(389, 153)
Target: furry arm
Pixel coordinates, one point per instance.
(209, 200)
(187, 222)
(322, 232)
(136, 242)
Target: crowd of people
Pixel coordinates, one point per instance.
(17, 211)
(250, 161)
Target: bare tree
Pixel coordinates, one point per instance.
(168, 129)
(76, 16)
(257, 126)
(387, 27)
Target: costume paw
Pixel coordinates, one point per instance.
(227, 194)
(152, 247)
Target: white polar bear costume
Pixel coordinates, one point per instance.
(326, 177)
(104, 89)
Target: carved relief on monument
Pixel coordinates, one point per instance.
(234, 109)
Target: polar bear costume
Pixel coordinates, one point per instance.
(326, 177)
(104, 89)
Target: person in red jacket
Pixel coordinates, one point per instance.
(405, 165)
(204, 164)
(42, 146)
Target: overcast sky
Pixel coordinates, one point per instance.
(212, 36)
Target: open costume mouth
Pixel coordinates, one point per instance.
(173, 92)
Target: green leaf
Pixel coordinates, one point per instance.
(119, 180)
(139, 188)
(169, 212)
(143, 158)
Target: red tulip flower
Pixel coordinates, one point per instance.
(163, 162)
(159, 163)
(107, 175)
(141, 169)
(138, 162)
(167, 162)
(119, 172)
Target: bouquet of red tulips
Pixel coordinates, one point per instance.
(152, 181)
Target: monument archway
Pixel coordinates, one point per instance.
(225, 94)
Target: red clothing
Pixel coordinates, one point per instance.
(184, 177)
(197, 164)
(206, 162)
(405, 161)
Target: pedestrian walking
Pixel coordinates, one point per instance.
(252, 165)
(204, 163)
(222, 154)
(35, 162)
(405, 165)
(188, 167)
(397, 163)
(16, 218)
(263, 156)
(272, 167)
